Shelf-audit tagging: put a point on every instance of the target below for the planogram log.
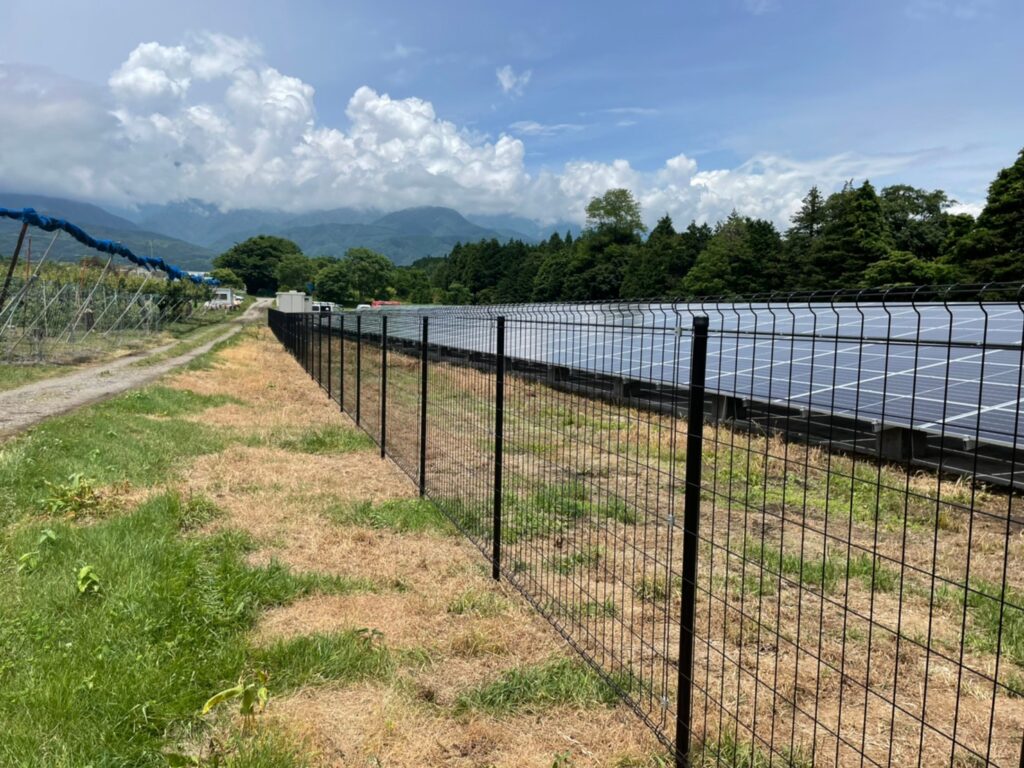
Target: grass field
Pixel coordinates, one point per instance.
(833, 591)
(227, 527)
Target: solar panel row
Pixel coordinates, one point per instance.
(945, 369)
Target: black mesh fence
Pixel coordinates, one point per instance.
(786, 531)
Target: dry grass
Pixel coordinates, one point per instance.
(789, 641)
(436, 600)
(374, 725)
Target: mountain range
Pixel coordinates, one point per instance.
(191, 233)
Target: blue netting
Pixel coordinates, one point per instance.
(49, 224)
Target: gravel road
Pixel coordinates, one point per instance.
(22, 407)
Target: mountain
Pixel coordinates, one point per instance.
(100, 224)
(517, 226)
(190, 233)
(402, 236)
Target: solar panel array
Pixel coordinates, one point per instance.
(952, 370)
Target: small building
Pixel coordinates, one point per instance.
(294, 301)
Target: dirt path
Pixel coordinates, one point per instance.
(22, 407)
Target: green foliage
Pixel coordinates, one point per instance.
(994, 249)
(294, 272)
(854, 237)
(76, 496)
(114, 676)
(228, 278)
(256, 260)
(58, 466)
(330, 439)
(312, 659)
(616, 210)
(361, 276)
(535, 688)
(401, 515)
(487, 604)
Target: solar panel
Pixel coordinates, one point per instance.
(951, 370)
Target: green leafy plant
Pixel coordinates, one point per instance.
(253, 696)
(88, 581)
(73, 497)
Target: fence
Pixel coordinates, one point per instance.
(787, 532)
(69, 321)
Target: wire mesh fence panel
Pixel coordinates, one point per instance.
(460, 423)
(403, 392)
(816, 561)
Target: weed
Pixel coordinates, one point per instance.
(585, 558)
(330, 439)
(114, 676)
(74, 497)
(534, 688)
(400, 515)
(479, 603)
(88, 581)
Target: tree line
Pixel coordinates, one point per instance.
(855, 237)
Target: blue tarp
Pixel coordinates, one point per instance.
(49, 224)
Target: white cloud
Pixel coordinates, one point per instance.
(402, 52)
(210, 119)
(533, 128)
(511, 82)
(759, 7)
(959, 9)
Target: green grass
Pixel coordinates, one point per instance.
(312, 659)
(136, 438)
(188, 340)
(329, 439)
(400, 515)
(104, 678)
(14, 376)
(479, 603)
(995, 618)
(727, 752)
(538, 687)
(828, 574)
(585, 558)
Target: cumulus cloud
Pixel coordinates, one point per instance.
(511, 82)
(210, 119)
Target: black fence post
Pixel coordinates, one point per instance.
(359, 364)
(424, 336)
(691, 540)
(499, 439)
(383, 385)
(330, 343)
(341, 362)
(320, 349)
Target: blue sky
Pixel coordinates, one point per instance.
(700, 107)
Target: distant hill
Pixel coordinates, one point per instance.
(190, 233)
(100, 224)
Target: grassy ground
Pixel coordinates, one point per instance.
(182, 337)
(228, 527)
(832, 590)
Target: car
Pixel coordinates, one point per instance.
(363, 306)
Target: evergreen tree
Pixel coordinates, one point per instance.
(719, 268)
(993, 251)
(854, 237)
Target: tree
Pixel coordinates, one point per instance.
(294, 273)
(917, 219)
(227, 278)
(256, 260)
(333, 284)
(720, 269)
(904, 268)
(993, 251)
(853, 238)
(618, 211)
(370, 274)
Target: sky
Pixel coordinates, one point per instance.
(527, 108)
